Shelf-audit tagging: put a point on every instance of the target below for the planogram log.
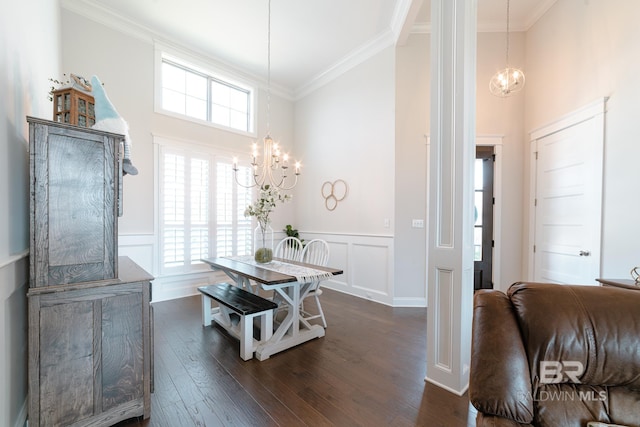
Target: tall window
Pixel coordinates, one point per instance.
(201, 209)
(233, 230)
(198, 95)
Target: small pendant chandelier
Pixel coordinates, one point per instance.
(508, 80)
(273, 169)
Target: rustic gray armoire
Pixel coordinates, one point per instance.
(90, 325)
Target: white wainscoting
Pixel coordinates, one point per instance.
(367, 262)
(14, 284)
(142, 249)
(184, 285)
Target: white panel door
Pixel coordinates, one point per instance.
(568, 205)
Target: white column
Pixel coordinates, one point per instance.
(450, 258)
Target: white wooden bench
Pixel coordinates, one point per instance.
(246, 305)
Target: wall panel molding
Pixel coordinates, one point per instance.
(367, 262)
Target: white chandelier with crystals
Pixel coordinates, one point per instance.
(508, 80)
(273, 169)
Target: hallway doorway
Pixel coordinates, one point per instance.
(483, 240)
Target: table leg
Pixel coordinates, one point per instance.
(246, 337)
(266, 326)
(288, 333)
(206, 310)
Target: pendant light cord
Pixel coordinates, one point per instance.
(269, 72)
(507, 33)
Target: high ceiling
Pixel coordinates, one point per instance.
(309, 38)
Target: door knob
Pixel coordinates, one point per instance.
(585, 253)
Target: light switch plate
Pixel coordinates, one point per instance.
(417, 223)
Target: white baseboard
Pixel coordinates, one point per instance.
(449, 389)
(409, 302)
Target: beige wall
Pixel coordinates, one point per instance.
(29, 56)
(345, 130)
(412, 127)
(503, 117)
(579, 52)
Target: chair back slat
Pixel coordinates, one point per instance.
(316, 252)
(289, 248)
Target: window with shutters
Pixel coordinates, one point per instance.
(201, 209)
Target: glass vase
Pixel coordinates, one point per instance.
(263, 244)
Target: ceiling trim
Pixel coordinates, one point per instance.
(108, 18)
(543, 7)
(499, 27)
(124, 25)
(401, 26)
(404, 16)
(349, 61)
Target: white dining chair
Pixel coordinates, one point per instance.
(315, 252)
(289, 248)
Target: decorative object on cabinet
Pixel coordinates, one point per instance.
(90, 319)
(334, 192)
(107, 118)
(73, 103)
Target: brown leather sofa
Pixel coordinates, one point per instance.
(549, 355)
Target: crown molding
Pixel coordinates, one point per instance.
(499, 26)
(108, 18)
(425, 28)
(421, 28)
(400, 27)
(400, 13)
(404, 15)
(539, 11)
(126, 26)
(349, 61)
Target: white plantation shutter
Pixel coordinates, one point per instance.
(233, 230)
(201, 209)
(173, 229)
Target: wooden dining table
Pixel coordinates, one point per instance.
(292, 329)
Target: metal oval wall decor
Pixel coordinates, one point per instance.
(334, 192)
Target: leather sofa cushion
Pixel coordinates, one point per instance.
(574, 405)
(484, 420)
(499, 381)
(624, 406)
(571, 323)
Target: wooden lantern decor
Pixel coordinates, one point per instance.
(74, 104)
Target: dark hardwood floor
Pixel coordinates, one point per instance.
(368, 370)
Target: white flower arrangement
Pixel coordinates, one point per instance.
(267, 201)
